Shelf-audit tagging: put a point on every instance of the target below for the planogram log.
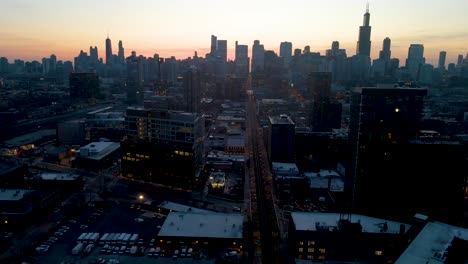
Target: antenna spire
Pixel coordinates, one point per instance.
(367, 7)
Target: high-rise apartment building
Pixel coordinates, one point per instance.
(192, 90)
(281, 138)
(214, 44)
(325, 114)
(121, 54)
(134, 80)
(381, 120)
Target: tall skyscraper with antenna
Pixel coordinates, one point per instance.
(364, 43)
(108, 50)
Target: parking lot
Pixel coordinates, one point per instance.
(120, 217)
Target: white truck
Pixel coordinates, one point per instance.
(115, 238)
(103, 239)
(87, 237)
(77, 249)
(133, 239)
(126, 239)
(94, 238)
(81, 237)
(120, 239)
(133, 250)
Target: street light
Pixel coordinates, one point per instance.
(141, 197)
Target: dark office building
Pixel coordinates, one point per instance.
(192, 90)
(280, 139)
(84, 85)
(394, 175)
(134, 80)
(326, 114)
(163, 147)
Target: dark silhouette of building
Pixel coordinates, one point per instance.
(134, 80)
(394, 174)
(281, 137)
(364, 43)
(108, 51)
(84, 85)
(192, 90)
(325, 113)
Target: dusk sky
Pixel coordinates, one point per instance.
(32, 29)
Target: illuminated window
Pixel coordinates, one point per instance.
(378, 252)
(146, 157)
(137, 160)
(128, 154)
(310, 243)
(301, 250)
(301, 243)
(321, 257)
(322, 250)
(311, 250)
(310, 257)
(176, 152)
(186, 154)
(137, 155)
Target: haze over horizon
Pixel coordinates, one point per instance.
(35, 29)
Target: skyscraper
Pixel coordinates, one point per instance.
(242, 60)
(380, 120)
(364, 43)
(258, 56)
(459, 60)
(121, 54)
(93, 54)
(325, 114)
(415, 59)
(385, 53)
(214, 45)
(442, 56)
(192, 90)
(286, 50)
(221, 50)
(281, 138)
(134, 80)
(108, 51)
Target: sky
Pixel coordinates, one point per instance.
(33, 29)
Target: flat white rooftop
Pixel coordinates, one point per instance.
(308, 221)
(431, 243)
(48, 176)
(203, 225)
(13, 194)
(176, 207)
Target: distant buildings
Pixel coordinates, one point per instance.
(98, 155)
(242, 61)
(442, 57)
(108, 51)
(286, 51)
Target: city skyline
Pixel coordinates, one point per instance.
(65, 28)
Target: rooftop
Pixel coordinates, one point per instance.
(50, 176)
(235, 142)
(176, 207)
(30, 138)
(280, 120)
(13, 194)
(309, 221)
(98, 150)
(203, 225)
(431, 244)
(319, 180)
(280, 167)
